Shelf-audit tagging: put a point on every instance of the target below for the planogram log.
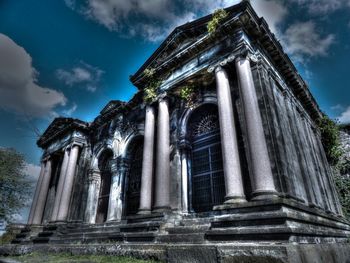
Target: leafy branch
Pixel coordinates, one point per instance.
(330, 139)
(218, 16)
(187, 94)
(151, 90)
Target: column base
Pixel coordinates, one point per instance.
(161, 209)
(234, 199)
(144, 211)
(264, 195)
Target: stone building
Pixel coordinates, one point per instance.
(239, 159)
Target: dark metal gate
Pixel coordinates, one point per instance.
(208, 185)
(134, 179)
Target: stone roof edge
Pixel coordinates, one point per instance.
(279, 58)
(71, 124)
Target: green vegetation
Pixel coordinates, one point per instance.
(187, 94)
(151, 91)
(342, 184)
(335, 155)
(67, 258)
(330, 139)
(7, 237)
(218, 16)
(14, 183)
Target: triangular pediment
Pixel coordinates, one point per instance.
(58, 127)
(180, 39)
(113, 104)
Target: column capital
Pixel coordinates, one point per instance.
(76, 143)
(184, 144)
(219, 65)
(94, 175)
(114, 165)
(246, 54)
(122, 162)
(163, 97)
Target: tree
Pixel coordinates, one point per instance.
(14, 183)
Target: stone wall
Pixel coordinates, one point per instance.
(300, 168)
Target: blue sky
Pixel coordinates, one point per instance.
(69, 58)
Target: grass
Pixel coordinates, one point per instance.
(68, 258)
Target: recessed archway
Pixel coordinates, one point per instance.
(133, 178)
(207, 176)
(104, 165)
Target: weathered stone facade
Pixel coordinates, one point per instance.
(244, 162)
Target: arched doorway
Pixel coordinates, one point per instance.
(133, 182)
(104, 164)
(207, 175)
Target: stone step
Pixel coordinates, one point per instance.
(253, 219)
(192, 238)
(106, 237)
(145, 218)
(141, 227)
(42, 240)
(16, 241)
(90, 229)
(50, 228)
(188, 229)
(25, 230)
(277, 233)
(46, 234)
(21, 235)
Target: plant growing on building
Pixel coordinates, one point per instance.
(187, 94)
(330, 139)
(151, 90)
(218, 16)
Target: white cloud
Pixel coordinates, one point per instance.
(32, 171)
(302, 39)
(69, 112)
(338, 107)
(345, 116)
(320, 7)
(272, 11)
(84, 75)
(19, 91)
(154, 19)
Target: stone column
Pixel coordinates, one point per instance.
(147, 163)
(68, 184)
(115, 200)
(184, 176)
(60, 186)
(230, 154)
(162, 191)
(123, 166)
(36, 194)
(93, 193)
(262, 179)
(44, 188)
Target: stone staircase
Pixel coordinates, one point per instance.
(276, 222)
(21, 237)
(138, 228)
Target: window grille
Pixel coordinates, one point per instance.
(134, 180)
(208, 185)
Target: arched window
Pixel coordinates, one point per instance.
(104, 164)
(207, 176)
(133, 182)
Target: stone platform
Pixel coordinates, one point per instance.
(278, 230)
(204, 253)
